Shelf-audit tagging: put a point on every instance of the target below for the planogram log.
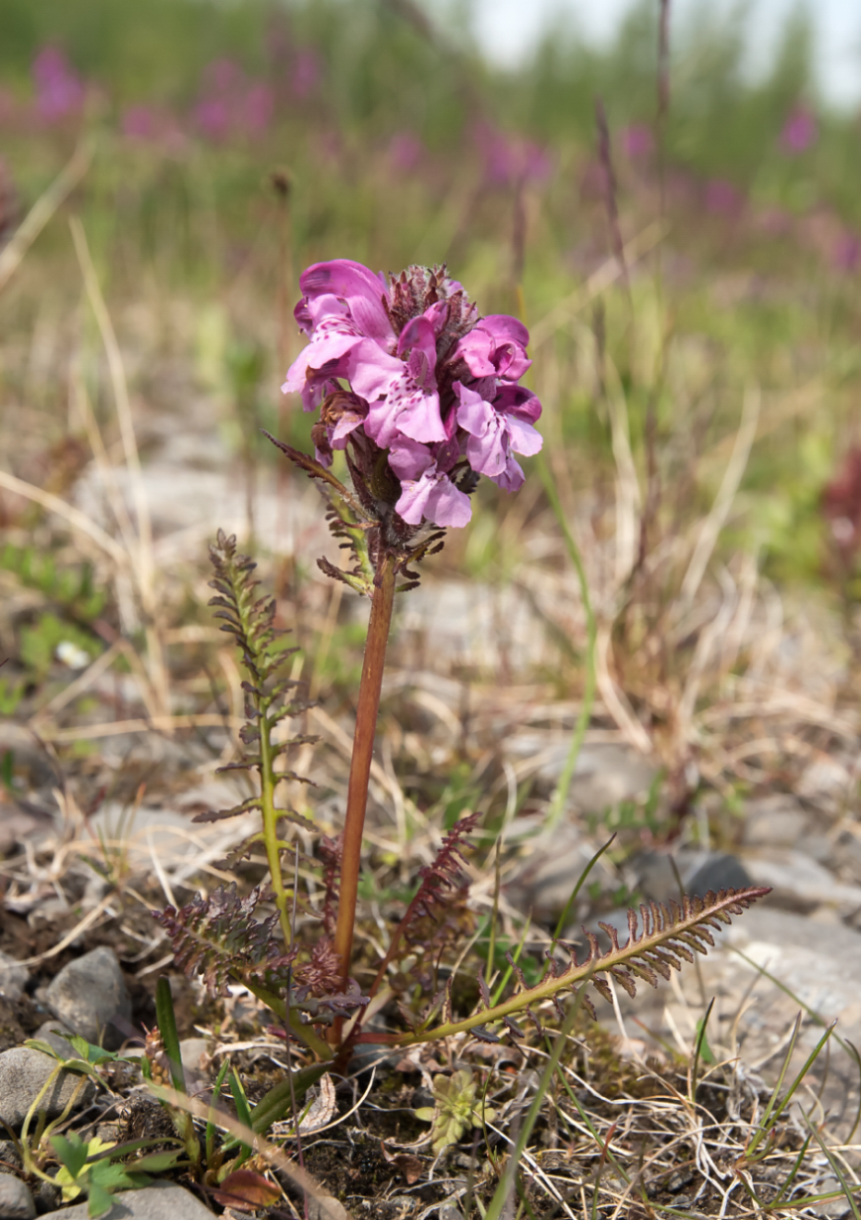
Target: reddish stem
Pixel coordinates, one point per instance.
(360, 766)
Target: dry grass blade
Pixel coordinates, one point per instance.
(716, 519)
(42, 211)
(79, 522)
(144, 564)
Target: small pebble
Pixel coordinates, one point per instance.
(16, 1202)
(13, 977)
(89, 995)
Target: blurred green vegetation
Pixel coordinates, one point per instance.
(396, 143)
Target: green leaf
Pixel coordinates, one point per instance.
(278, 1102)
(89, 1051)
(72, 1152)
(98, 1202)
(156, 1162)
(239, 1099)
(166, 1021)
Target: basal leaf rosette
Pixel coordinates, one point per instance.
(420, 389)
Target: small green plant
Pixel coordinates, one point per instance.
(73, 587)
(458, 1107)
(86, 1168)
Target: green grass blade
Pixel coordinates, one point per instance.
(166, 1021)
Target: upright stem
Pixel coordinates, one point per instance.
(360, 765)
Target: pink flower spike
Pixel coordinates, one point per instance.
(412, 380)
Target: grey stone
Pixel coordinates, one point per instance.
(543, 880)
(47, 1197)
(193, 1052)
(13, 977)
(720, 871)
(16, 1202)
(799, 883)
(699, 871)
(57, 1035)
(88, 994)
(774, 821)
(605, 774)
(160, 1201)
(23, 1072)
(8, 1156)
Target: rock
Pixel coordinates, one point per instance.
(605, 774)
(194, 1055)
(9, 1155)
(16, 1202)
(700, 871)
(160, 1201)
(544, 879)
(13, 977)
(47, 1197)
(774, 821)
(57, 1035)
(799, 883)
(23, 1072)
(89, 994)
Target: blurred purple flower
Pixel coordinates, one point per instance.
(433, 386)
(140, 123)
(231, 105)
(722, 198)
(405, 151)
(774, 221)
(212, 116)
(258, 109)
(799, 132)
(305, 73)
(59, 89)
(222, 76)
(508, 160)
(637, 141)
(847, 251)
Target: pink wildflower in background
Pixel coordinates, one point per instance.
(258, 109)
(637, 141)
(508, 160)
(405, 151)
(799, 132)
(59, 89)
(722, 198)
(305, 73)
(433, 386)
(847, 252)
(231, 105)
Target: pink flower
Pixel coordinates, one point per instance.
(59, 89)
(509, 160)
(432, 385)
(847, 251)
(799, 132)
(405, 151)
(258, 109)
(305, 73)
(721, 197)
(637, 141)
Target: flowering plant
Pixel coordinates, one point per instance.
(432, 398)
(423, 395)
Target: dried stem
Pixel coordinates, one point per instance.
(360, 766)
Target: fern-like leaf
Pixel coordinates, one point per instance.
(438, 880)
(219, 938)
(659, 939)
